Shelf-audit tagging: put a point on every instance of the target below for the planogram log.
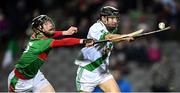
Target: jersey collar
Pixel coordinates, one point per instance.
(38, 37)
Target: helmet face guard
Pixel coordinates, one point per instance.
(37, 22)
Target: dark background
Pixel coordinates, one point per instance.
(136, 57)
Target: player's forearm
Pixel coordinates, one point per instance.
(118, 38)
(57, 34)
(66, 42)
(111, 36)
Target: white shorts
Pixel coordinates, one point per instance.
(87, 80)
(29, 85)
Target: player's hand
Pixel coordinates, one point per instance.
(88, 42)
(70, 31)
(129, 39)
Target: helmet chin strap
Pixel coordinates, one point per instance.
(46, 33)
(40, 29)
(115, 30)
(112, 29)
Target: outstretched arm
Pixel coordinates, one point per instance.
(117, 37)
(124, 37)
(65, 42)
(70, 31)
(57, 34)
(71, 42)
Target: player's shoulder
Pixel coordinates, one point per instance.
(98, 25)
(46, 41)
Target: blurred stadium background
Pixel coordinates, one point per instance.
(143, 63)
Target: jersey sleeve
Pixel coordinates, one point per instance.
(65, 42)
(97, 33)
(57, 34)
